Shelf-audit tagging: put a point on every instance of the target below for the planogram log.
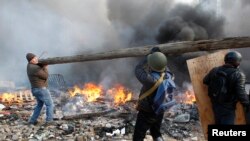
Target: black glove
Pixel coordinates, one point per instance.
(155, 49)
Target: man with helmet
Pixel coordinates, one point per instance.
(151, 72)
(224, 105)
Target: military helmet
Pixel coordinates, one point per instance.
(157, 61)
(233, 57)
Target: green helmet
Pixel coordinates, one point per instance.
(157, 61)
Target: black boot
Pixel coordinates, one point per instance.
(158, 139)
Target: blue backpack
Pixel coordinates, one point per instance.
(163, 98)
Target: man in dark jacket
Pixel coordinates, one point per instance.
(224, 106)
(146, 118)
(38, 77)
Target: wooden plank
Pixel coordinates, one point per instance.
(198, 68)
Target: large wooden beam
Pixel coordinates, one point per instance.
(169, 49)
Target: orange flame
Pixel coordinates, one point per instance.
(17, 97)
(90, 90)
(120, 94)
(7, 97)
(188, 97)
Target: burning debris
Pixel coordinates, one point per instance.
(92, 113)
(119, 94)
(90, 91)
(19, 96)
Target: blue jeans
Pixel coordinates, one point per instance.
(43, 97)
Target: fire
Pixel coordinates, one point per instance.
(8, 97)
(120, 94)
(90, 90)
(187, 97)
(17, 97)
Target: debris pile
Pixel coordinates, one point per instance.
(110, 116)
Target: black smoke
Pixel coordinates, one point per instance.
(187, 23)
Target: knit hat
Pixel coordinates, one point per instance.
(30, 56)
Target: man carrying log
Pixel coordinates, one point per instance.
(226, 86)
(38, 77)
(157, 88)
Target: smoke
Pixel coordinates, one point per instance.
(139, 20)
(245, 3)
(59, 27)
(187, 23)
(238, 25)
(64, 28)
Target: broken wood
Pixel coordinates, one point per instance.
(18, 97)
(169, 49)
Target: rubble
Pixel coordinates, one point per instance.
(116, 125)
(182, 118)
(1, 107)
(102, 119)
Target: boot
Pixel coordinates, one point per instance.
(158, 139)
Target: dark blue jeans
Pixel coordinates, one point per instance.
(43, 97)
(223, 115)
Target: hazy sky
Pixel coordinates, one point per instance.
(63, 27)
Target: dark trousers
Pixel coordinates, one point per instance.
(223, 115)
(147, 121)
(248, 117)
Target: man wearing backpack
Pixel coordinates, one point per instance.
(226, 86)
(157, 82)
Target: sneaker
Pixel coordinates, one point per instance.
(50, 123)
(31, 123)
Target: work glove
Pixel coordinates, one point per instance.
(155, 49)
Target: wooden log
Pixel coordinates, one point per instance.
(169, 49)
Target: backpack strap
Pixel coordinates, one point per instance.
(225, 74)
(228, 77)
(152, 89)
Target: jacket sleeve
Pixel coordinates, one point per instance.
(42, 73)
(240, 89)
(143, 75)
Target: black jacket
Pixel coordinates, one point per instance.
(236, 90)
(142, 73)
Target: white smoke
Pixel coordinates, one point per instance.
(58, 27)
